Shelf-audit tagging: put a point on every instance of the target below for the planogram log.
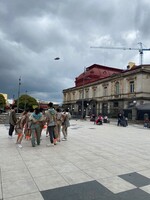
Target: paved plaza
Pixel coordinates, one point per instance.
(104, 162)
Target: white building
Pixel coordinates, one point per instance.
(107, 90)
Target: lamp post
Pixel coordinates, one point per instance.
(18, 94)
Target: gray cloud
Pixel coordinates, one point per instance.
(33, 33)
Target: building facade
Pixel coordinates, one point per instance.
(107, 90)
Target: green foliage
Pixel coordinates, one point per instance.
(2, 101)
(27, 102)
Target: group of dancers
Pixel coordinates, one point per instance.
(30, 125)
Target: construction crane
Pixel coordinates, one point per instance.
(140, 49)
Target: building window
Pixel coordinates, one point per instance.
(80, 94)
(94, 91)
(73, 95)
(117, 89)
(116, 104)
(105, 91)
(131, 86)
(69, 97)
(86, 94)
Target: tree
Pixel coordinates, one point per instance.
(2, 102)
(27, 102)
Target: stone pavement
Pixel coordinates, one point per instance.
(96, 163)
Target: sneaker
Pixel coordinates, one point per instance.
(19, 145)
(10, 137)
(64, 139)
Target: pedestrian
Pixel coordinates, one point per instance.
(99, 120)
(65, 124)
(12, 121)
(92, 118)
(58, 123)
(43, 122)
(120, 119)
(51, 123)
(35, 119)
(27, 128)
(19, 127)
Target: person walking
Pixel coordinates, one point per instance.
(19, 127)
(35, 118)
(12, 121)
(58, 123)
(43, 122)
(51, 123)
(65, 124)
(27, 128)
(120, 118)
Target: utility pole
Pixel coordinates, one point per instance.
(18, 94)
(25, 105)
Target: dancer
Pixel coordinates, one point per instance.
(19, 127)
(65, 124)
(51, 123)
(36, 119)
(12, 121)
(58, 123)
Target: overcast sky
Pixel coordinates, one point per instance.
(34, 32)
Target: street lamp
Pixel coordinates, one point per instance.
(18, 94)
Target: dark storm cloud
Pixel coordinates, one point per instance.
(33, 33)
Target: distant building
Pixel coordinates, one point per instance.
(44, 104)
(107, 90)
